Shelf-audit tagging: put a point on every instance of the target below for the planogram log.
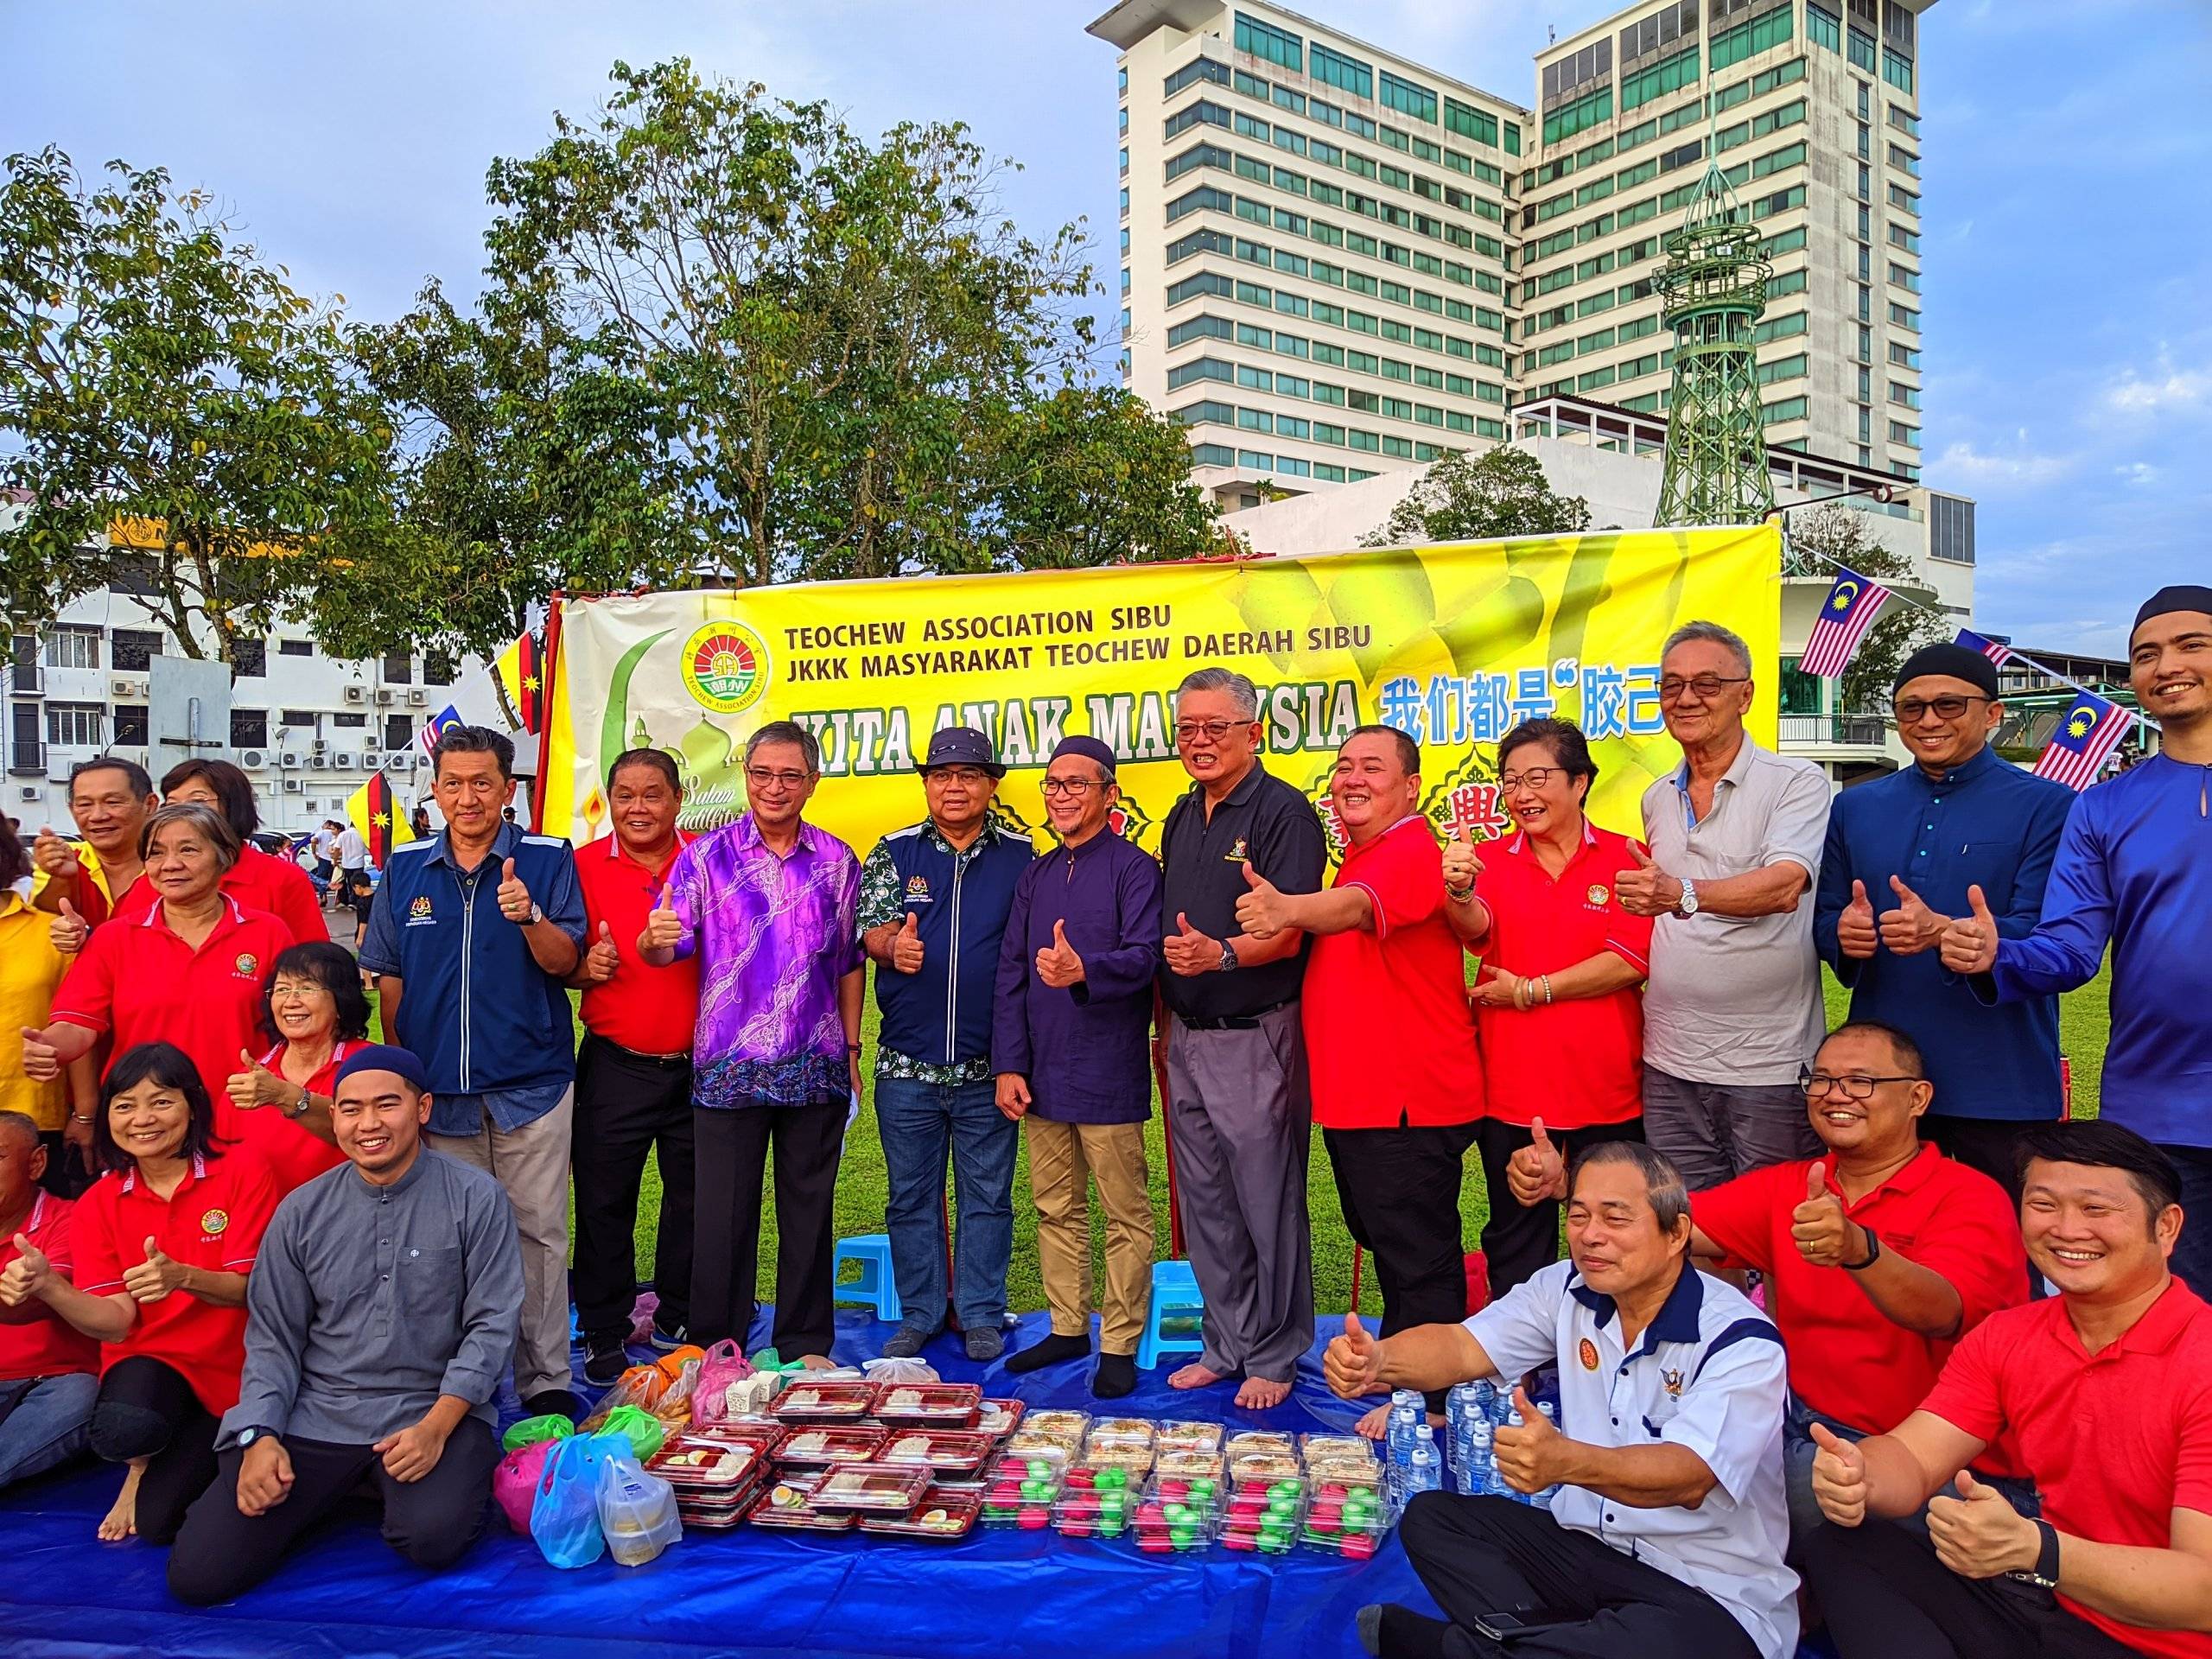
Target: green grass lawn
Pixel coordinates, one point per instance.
(2084, 1026)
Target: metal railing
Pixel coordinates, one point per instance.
(1857, 731)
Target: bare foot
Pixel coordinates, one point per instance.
(1375, 1425)
(121, 1521)
(1194, 1375)
(818, 1362)
(1259, 1393)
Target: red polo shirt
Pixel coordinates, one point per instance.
(648, 1009)
(295, 1155)
(1388, 1037)
(2117, 1439)
(139, 980)
(258, 881)
(213, 1220)
(1846, 1359)
(1579, 1063)
(48, 1345)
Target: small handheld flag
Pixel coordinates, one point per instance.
(434, 727)
(376, 814)
(1846, 614)
(2087, 734)
(1998, 653)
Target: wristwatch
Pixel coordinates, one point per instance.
(248, 1435)
(1228, 963)
(299, 1110)
(1874, 1253)
(2045, 1572)
(1688, 905)
(536, 914)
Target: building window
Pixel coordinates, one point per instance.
(249, 659)
(1333, 68)
(345, 720)
(72, 647)
(1270, 44)
(134, 574)
(1196, 70)
(296, 647)
(1823, 29)
(1897, 69)
(1950, 529)
(1799, 691)
(1407, 98)
(248, 728)
(73, 725)
(130, 726)
(398, 731)
(1861, 50)
(134, 649)
(299, 722)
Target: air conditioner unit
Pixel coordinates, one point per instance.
(290, 758)
(343, 762)
(357, 694)
(123, 687)
(292, 785)
(32, 792)
(385, 695)
(399, 760)
(254, 760)
(372, 758)
(418, 698)
(320, 745)
(319, 760)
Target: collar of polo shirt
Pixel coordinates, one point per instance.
(1676, 1319)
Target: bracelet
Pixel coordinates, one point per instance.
(1547, 990)
(852, 1048)
(1457, 895)
(78, 1117)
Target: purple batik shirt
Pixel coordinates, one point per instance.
(773, 935)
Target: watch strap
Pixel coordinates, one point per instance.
(2045, 1572)
(1873, 1252)
(1228, 962)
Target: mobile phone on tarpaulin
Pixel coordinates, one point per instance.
(1523, 1621)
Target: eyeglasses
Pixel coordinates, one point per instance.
(967, 775)
(761, 777)
(1707, 686)
(1855, 1088)
(1189, 731)
(1534, 778)
(1911, 711)
(1078, 787)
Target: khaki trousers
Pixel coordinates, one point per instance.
(1064, 1159)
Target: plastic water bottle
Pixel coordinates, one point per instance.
(1484, 1394)
(1406, 1427)
(1458, 1410)
(1477, 1470)
(1424, 1473)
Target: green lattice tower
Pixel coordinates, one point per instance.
(1714, 286)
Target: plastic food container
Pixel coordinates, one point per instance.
(1264, 1518)
(1259, 1440)
(690, 1463)
(1263, 1468)
(999, 1417)
(1136, 1430)
(872, 1488)
(1067, 1426)
(817, 1448)
(1188, 1465)
(1345, 1519)
(941, 1514)
(949, 1451)
(824, 1403)
(1336, 1448)
(1189, 1437)
(637, 1514)
(1087, 1511)
(1174, 1517)
(788, 1505)
(1019, 1491)
(929, 1405)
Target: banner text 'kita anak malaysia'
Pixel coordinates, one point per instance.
(1452, 643)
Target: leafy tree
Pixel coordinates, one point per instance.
(1463, 498)
(156, 376)
(853, 368)
(1830, 534)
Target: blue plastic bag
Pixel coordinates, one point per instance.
(564, 1515)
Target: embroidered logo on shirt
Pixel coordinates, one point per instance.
(1587, 1353)
(917, 889)
(1672, 1381)
(1598, 894)
(1237, 855)
(214, 1221)
(247, 963)
(418, 913)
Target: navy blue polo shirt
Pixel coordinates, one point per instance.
(1266, 823)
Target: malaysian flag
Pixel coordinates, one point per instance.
(434, 728)
(1846, 614)
(2087, 734)
(1995, 650)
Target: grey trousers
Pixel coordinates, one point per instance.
(1240, 1117)
(532, 1164)
(1714, 1132)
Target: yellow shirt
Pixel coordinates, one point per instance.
(89, 862)
(29, 969)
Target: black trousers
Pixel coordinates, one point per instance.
(1982, 1143)
(628, 1105)
(221, 1552)
(146, 1409)
(1399, 1189)
(1516, 1243)
(732, 1155)
(1886, 1596)
(1480, 1556)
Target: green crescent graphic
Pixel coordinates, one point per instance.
(616, 714)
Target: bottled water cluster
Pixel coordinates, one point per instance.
(1473, 1412)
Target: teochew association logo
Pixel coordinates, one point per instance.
(725, 666)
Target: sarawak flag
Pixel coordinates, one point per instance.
(1846, 614)
(2087, 734)
(378, 816)
(521, 671)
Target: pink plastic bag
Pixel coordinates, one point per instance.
(725, 1363)
(514, 1483)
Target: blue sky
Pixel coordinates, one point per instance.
(2067, 145)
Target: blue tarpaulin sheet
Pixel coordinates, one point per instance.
(991, 1595)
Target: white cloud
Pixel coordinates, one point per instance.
(2138, 473)
(2165, 388)
(2021, 466)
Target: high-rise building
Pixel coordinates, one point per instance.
(1336, 261)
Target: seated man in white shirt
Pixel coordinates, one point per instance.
(1665, 1536)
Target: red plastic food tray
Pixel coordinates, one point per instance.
(824, 1403)
(941, 1514)
(876, 1488)
(817, 1448)
(949, 1451)
(929, 1405)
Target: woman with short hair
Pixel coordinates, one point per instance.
(314, 1005)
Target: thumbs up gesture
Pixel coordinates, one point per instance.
(1352, 1363)
(68, 931)
(1838, 1477)
(514, 898)
(1979, 1535)
(1647, 890)
(1911, 927)
(1262, 911)
(1461, 866)
(1189, 952)
(152, 1279)
(41, 1060)
(254, 1086)
(1527, 1456)
(1057, 965)
(906, 946)
(1825, 1237)
(26, 1276)
(602, 959)
(663, 930)
(55, 856)
(1855, 932)
(1970, 942)
(1537, 1171)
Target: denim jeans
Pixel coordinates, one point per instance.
(1798, 1450)
(918, 1123)
(44, 1422)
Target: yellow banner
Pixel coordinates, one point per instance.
(1452, 643)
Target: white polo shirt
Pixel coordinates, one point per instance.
(1707, 1373)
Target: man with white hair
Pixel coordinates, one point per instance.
(1733, 1008)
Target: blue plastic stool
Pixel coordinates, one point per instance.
(876, 1287)
(1174, 1295)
